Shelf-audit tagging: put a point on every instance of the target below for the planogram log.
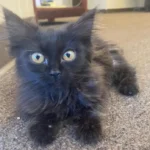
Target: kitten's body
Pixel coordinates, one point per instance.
(79, 90)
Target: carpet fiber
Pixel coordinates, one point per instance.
(126, 121)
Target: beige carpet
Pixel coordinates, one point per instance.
(126, 122)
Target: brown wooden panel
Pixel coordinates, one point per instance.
(43, 13)
(84, 4)
(35, 11)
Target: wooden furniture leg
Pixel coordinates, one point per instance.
(84, 4)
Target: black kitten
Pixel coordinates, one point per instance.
(63, 75)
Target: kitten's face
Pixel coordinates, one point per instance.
(54, 56)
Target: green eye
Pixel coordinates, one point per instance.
(69, 55)
(37, 58)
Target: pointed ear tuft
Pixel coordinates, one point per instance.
(88, 16)
(83, 27)
(16, 27)
(18, 31)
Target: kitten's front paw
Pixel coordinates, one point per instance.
(42, 134)
(128, 89)
(89, 133)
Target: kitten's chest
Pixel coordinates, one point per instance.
(58, 95)
(64, 102)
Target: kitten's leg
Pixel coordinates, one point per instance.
(43, 129)
(87, 114)
(88, 127)
(124, 76)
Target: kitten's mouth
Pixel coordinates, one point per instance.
(51, 80)
(54, 81)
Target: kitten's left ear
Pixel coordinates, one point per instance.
(19, 32)
(83, 27)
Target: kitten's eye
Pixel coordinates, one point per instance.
(37, 58)
(69, 56)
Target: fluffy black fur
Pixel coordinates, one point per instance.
(79, 90)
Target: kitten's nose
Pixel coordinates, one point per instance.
(55, 73)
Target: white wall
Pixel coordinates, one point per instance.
(23, 8)
(106, 4)
(114, 4)
(100, 4)
(141, 3)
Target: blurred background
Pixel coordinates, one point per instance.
(53, 12)
(25, 8)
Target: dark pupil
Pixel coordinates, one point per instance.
(68, 55)
(37, 57)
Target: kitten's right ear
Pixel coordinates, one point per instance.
(18, 29)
